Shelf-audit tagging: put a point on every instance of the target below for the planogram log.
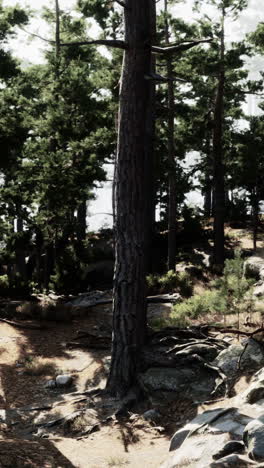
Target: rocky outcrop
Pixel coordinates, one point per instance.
(228, 360)
(224, 437)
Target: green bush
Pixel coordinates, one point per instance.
(197, 306)
(4, 282)
(231, 295)
(170, 282)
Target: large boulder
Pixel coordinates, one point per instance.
(252, 358)
(255, 391)
(254, 268)
(207, 434)
(253, 437)
(258, 290)
(195, 383)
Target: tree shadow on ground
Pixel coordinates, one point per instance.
(35, 454)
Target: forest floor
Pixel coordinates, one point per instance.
(29, 358)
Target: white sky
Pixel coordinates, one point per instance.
(31, 51)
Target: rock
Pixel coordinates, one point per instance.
(3, 418)
(253, 357)
(206, 351)
(196, 451)
(255, 391)
(202, 419)
(254, 268)
(253, 438)
(50, 384)
(233, 446)
(152, 415)
(195, 383)
(258, 290)
(63, 380)
(233, 460)
(207, 434)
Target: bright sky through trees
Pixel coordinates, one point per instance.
(30, 50)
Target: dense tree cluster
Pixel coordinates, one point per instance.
(181, 91)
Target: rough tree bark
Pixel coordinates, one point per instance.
(150, 150)
(219, 184)
(129, 305)
(172, 200)
(81, 221)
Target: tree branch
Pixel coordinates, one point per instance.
(121, 3)
(109, 43)
(105, 42)
(179, 47)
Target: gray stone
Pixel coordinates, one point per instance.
(255, 393)
(50, 384)
(253, 437)
(253, 358)
(63, 380)
(233, 460)
(207, 352)
(200, 420)
(197, 384)
(233, 446)
(254, 268)
(196, 452)
(152, 415)
(258, 290)
(2, 416)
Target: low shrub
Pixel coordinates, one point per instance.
(170, 282)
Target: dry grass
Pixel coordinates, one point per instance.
(35, 366)
(117, 461)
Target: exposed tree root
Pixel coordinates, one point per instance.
(27, 326)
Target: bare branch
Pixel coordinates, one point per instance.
(157, 77)
(179, 47)
(37, 35)
(109, 43)
(105, 42)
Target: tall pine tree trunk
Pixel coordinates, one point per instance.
(129, 306)
(81, 221)
(172, 199)
(219, 185)
(150, 150)
(20, 251)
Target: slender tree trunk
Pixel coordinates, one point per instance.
(207, 198)
(219, 185)
(81, 222)
(172, 199)
(255, 217)
(207, 192)
(129, 306)
(20, 251)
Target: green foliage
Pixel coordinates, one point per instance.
(170, 282)
(231, 295)
(233, 287)
(197, 306)
(4, 283)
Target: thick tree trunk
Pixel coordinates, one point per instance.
(219, 185)
(129, 306)
(150, 150)
(172, 199)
